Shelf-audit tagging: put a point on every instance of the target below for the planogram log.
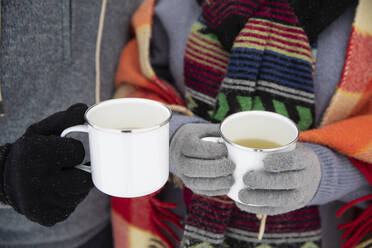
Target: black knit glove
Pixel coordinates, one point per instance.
(38, 175)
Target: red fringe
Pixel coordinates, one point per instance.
(161, 212)
(358, 228)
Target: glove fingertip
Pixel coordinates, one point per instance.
(204, 149)
(242, 195)
(221, 149)
(72, 152)
(230, 166)
(75, 182)
(78, 109)
(87, 182)
(83, 180)
(248, 177)
(279, 162)
(270, 162)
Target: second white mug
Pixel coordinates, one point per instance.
(254, 125)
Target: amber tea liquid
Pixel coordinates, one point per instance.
(257, 143)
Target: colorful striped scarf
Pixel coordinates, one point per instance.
(269, 67)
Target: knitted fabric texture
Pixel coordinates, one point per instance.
(134, 67)
(141, 222)
(133, 82)
(215, 222)
(346, 124)
(4, 151)
(314, 16)
(351, 105)
(268, 68)
(362, 225)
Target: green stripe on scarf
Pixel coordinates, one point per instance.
(269, 67)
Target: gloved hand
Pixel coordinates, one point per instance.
(203, 166)
(288, 182)
(37, 171)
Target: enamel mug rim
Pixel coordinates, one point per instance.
(260, 112)
(137, 130)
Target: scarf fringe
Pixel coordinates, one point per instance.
(162, 212)
(355, 230)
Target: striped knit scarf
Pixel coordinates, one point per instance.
(269, 67)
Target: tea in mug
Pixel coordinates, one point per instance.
(257, 143)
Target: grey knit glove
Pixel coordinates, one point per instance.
(203, 166)
(288, 182)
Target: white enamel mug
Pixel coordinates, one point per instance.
(254, 125)
(129, 145)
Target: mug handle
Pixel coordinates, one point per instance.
(213, 139)
(83, 129)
